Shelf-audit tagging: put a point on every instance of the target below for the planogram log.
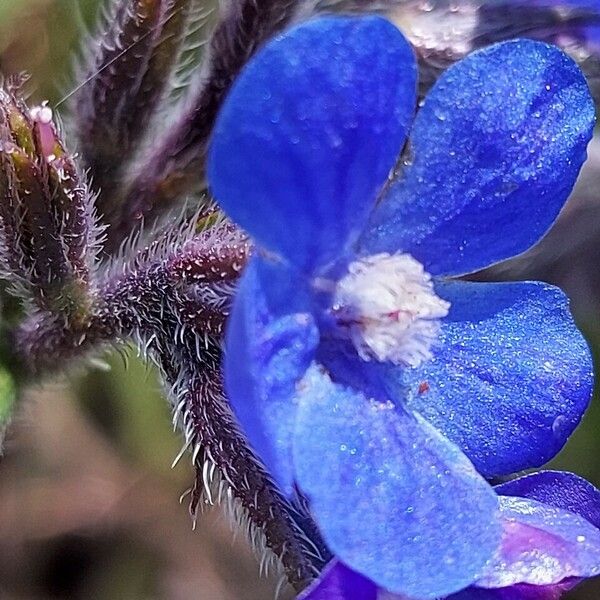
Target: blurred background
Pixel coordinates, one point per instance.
(89, 503)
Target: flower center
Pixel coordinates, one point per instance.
(389, 307)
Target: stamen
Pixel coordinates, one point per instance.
(389, 307)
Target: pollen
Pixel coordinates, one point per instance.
(388, 307)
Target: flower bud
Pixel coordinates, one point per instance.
(47, 231)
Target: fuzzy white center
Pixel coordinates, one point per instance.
(388, 305)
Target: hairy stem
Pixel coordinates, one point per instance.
(212, 433)
(174, 305)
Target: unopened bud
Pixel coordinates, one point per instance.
(46, 224)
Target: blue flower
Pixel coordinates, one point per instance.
(538, 557)
(360, 371)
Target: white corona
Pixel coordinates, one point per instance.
(389, 307)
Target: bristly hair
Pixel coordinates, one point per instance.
(227, 471)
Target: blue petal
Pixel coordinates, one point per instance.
(394, 500)
(338, 582)
(541, 545)
(559, 489)
(496, 150)
(511, 376)
(270, 342)
(309, 132)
